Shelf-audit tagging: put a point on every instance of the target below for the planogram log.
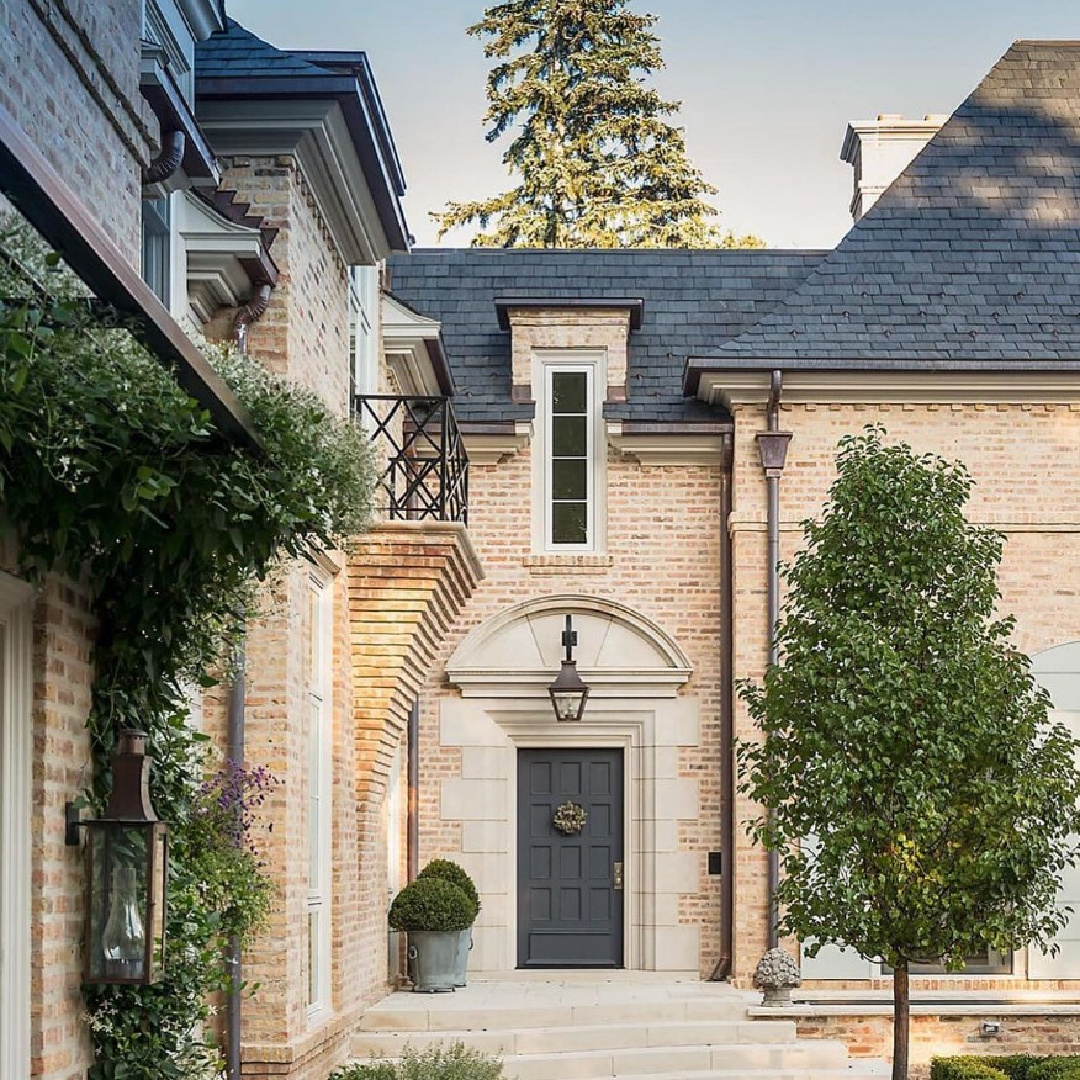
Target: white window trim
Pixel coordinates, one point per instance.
(594, 362)
(16, 809)
(321, 733)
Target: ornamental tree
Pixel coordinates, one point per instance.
(905, 733)
(599, 163)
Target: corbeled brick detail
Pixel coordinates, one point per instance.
(408, 581)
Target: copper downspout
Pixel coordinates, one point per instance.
(236, 704)
(237, 701)
(772, 445)
(251, 312)
(726, 962)
(173, 145)
(412, 838)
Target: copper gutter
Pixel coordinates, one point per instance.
(38, 193)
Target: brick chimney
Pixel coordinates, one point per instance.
(879, 151)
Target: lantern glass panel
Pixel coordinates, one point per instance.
(126, 909)
(158, 899)
(566, 705)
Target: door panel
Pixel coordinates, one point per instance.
(569, 912)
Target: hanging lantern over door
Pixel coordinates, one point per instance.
(128, 871)
(568, 692)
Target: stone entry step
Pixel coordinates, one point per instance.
(613, 1027)
(540, 1040)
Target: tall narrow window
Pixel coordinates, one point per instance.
(319, 734)
(363, 327)
(570, 458)
(157, 247)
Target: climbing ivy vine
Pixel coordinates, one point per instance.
(112, 475)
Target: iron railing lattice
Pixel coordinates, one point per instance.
(422, 461)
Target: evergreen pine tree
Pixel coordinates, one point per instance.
(600, 164)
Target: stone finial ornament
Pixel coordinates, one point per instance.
(777, 975)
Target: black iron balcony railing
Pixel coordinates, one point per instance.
(424, 469)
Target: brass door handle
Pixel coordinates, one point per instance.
(618, 876)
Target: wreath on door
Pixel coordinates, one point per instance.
(570, 818)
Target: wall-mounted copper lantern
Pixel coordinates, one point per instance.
(568, 692)
(129, 867)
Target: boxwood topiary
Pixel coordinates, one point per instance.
(456, 875)
(1017, 1066)
(432, 903)
(965, 1068)
(1056, 1068)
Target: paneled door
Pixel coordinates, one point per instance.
(570, 897)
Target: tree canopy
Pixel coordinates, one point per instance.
(905, 734)
(600, 165)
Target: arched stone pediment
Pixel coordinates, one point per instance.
(620, 653)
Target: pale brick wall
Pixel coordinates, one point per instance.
(1021, 457)
(560, 328)
(305, 331)
(408, 581)
(304, 336)
(662, 560)
(69, 74)
(63, 632)
(870, 1036)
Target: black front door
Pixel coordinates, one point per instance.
(570, 900)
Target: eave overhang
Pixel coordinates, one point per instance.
(38, 193)
(252, 115)
(634, 306)
(174, 114)
(730, 381)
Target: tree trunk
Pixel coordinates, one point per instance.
(901, 1021)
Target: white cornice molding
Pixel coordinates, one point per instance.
(662, 448)
(493, 448)
(606, 683)
(405, 335)
(399, 322)
(411, 368)
(733, 388)
(213, 248)
(316, 134)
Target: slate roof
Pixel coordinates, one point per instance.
(235, 63)
(973, 254)
(694, 301)
(238, 53)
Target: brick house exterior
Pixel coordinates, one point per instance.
(945, 315)
(421, 660)
(267, 226)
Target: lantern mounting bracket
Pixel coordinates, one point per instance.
(72, 821)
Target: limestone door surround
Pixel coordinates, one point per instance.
(635, 671)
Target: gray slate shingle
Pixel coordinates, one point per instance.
(973, 253)
(238, 53)
(694, 301)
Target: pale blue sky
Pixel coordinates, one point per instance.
(767, 88)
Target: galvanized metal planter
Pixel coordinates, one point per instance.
(433, 960)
